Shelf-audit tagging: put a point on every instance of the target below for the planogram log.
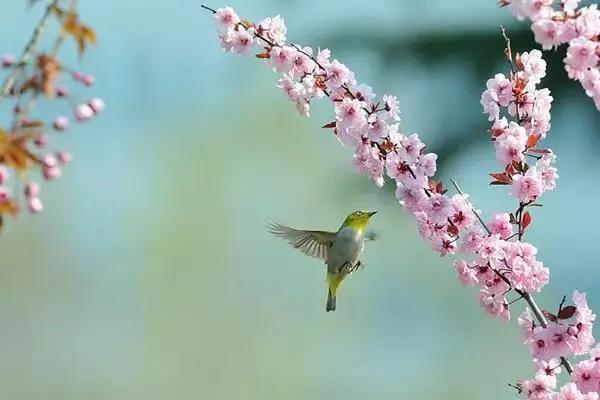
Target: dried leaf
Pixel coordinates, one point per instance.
(567, 312)
(501, 177)
(82, 34)
(452, 230)
(13, 151)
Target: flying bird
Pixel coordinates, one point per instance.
(340, 250)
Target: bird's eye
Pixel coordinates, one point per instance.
(359, 212)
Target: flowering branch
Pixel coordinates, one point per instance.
(559, 22)
(36, 74)
(501, 262)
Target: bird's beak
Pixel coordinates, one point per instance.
(372, 213)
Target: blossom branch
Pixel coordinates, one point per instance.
(24, 143)
(562, 22)
(501, 261)
(29, 49)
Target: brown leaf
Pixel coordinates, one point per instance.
(330, 125)
(82, 34)
(501, 177)
(440, 187)
(496, 183)
(567, 312)
(452, 230)
(13, 151)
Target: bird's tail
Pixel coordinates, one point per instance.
(330, 302)
(333, 281)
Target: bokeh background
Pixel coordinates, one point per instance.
(151, 274)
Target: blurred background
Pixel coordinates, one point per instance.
(151, 276)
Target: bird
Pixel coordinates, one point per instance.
(341, 250)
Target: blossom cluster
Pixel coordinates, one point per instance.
(568, 333)
(500, 261)
(555, 23)
(25, 152)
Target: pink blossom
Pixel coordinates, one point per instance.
(410, 148)
(534, 66)
(281, 58)
(41, 141)
(5, 194)
(581, 55)
(586, 375)
(500, 224)
(570, 5)
(490, 105)
(51, 173)
(527, 187)
(88, 80)
(494, 304)
(83, 112)
(466, 275)
(97, 105)
(472, 240)
(510, 148)
(392, 107)
(337, 74)
(427, 164)
(443, 243)
(412, 197)
(500, 89)
(7, 61)
(273, 28)
(546, 33)
(588, 22)
(3, 175)
(241, 41)
(32, 189)
(367, 160)
(61, 123)
(439, 208)
(64, 157)
(226, 18)
(62, 91)
(34, 204)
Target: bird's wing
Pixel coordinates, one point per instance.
(371, 236)
(312, 243)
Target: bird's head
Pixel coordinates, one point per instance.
(358, 219)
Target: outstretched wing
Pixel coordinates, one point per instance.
(371, 236)
(312, 243)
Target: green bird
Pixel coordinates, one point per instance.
(340, 250)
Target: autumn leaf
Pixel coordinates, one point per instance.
(13, 151)
(526, 221)
(82, 34)
(567, 312)
(532, 140)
